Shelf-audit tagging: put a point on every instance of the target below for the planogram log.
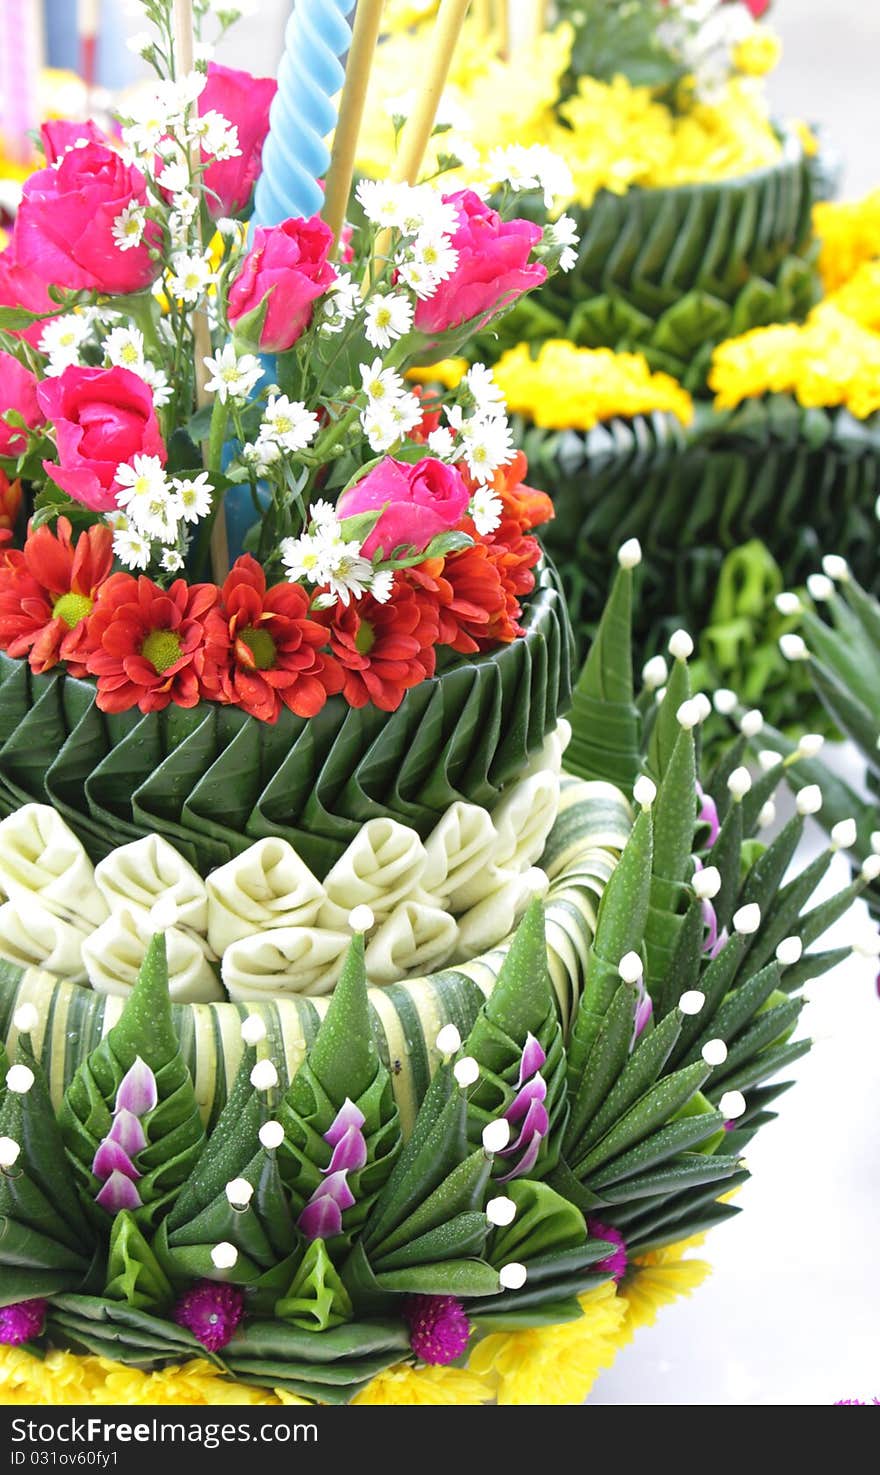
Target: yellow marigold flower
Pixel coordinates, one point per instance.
(67, 1378)
(850, 235)
(405, 1384)
(658, 1278)
(569, 387)
(554, 1364)
(758, 53)
(829, 360)
(448, 372)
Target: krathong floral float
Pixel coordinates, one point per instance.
(354, 1049)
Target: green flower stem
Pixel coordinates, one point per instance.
(217, 433)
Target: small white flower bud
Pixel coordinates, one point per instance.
(448, 1040)
(867, 945)
(875, 841)
(688, 715)
(703, 705)
(692, 1001)
(820, 587)
(732, 1105)
(810, 745)
(809, 800)
(264, 1076)
(739, 783)
(680, 647)
(767, 759)
(870, 872)
(844, 834)
(725, 701)
(789, 952)
(750, 723)
(655, 672)
(466, 1071)
(513, 1276)
(630, 968)
(224, 1255)
(253, 1029)
(644, 791)
(788, 604)
(793, 648)
(836, 567)
(707, 883)
(747, 920)
(9, 1150)
(629, 554)
(501, 1211)
(496, 1135)
(239, 1193)
(714, 1052)
(766, 815)
(25, 1019)
(20, 1078)
(271, 1135)
(360, 918)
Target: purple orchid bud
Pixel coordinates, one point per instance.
(534, 1090)
(335, 1186)
(536, 1120)
(347, 1117)
(128, 1132)
(644, 1011)
(320, 1219)
(533, 1058)
(710, 923)
(111, 1158)
(349, 1153)
(137, 1090)
(118, 1193)
(527, 1161)
(708, 815)
(723, 938)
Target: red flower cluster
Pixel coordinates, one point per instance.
(254, 646)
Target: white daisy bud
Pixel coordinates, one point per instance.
(739, 783)
(629, 554)
(466, 1071)
(659, 696)
(750, 723)
(732, 1105)
(513, 1276)
(844, 834)
(9, 1150)
(630, 968)
(820, 587)
(20, 1078)
(809, 800)
(496, 1135)
(836, 567)
(747, 920)
(253, 1029)
(810, 745)
(870, 872)
(239, 1193)
(688, 715)
(501, 1211)
(692, 1001)
(767, 759)
(271, 1135)
(725, 701)
(25, 1019)
(655, 673)
(793, 648)
(224, 1255)
(788, 604)
(714, 1052)
(707, 883)
(766, 815)
(360, 918)
(703, 705)
(264, 1076)
(644, 791)
(448, 1040)
(789, 952)
(680, 647)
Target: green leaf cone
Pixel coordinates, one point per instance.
(604, 718)
(134, 1275)
(316, 1299)
(666, 729)
(228, 1150)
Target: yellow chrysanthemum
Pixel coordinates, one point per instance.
(556, 1364)
(656, 1279)
(758, 53)
(859, 298)
(448, 372)
(67, 1378)
(568, 387)
(421, 1386)
(829, 360)
(850, 234)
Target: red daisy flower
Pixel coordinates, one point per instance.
(385, 648)
(48, 592)
(144, 642)
(262, 649)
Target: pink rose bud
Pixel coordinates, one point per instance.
(137, 1090)
(18, 391)
(64, 227)
(533, 1057)
(118, 1193)
(244, 101)
(111, 1158)
(493, 267)
(287, 269)
(128, 1132)
(102, 417)
(423, 500)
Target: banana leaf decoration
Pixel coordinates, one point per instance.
(46, 1244)
(342, 1131)
(316, 1298)
(517, 1041)
(605, 722)
(143, 1049)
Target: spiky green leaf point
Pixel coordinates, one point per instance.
(664, 1142)
(725, 856)
(851, 656)
(342, 1065)
(815, 923)
(683, 1171)
(849, 711)
(461, 1191)
(716, 979)
(520, 1005)
(228, 1150)
(134, 1274)
(437, 1144)
(839, 799)
(764, 787)
(654, 1109)
(766, 1064)
(604, 719)
(812, 965)
(683, 970)
(174, 1131)
(666, 729)
(689, 1223)
(45, 1243)
(316, 1298)
(674, 820)
(620, 928)
(865, 608)
(784, 918)
(772, 1026)
(732, 757)
(638, 1075)
(607, 1058)
(765, 877)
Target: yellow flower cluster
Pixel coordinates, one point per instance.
(539, 1365)
(757, 53)
(831, 359)
(574, 388)
(850, 235)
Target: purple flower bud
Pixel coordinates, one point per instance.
(349, 1153)
(347, 1117)
(137, 1090)
(128, 1132)
(644, 1010)
(118, 1193)
(528, 1159)
(536, 1120)
(710, 923)
(438, 1327)
(335, 1186)
(211, 1312)
(21, 1321)
(532, 1060)
(708, 815)
(320, 1219)
(534, 1090)
(723, 937)
(111, 1158)
(616, 1262)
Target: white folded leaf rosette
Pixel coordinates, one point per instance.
(383, 865)
(41, 857)
(34, 937)
(114, 953)
(496, 915)
(459, 848)
(415, 938)
(524, 818)
(266, 887)
(137, 876)
(284, 960)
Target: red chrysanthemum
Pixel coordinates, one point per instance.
(48, 592)
(10, 501)
(262, 649)
(144, 642)
(471, 599)
(385, 649)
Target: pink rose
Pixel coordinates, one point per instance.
(18, 391)
(60, 134)
(102, 417)
(493, 267)
(288, 263)
(243, 100)
(423, 500)
(22, 287)
(64, 227)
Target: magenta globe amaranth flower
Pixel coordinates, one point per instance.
(21, 1321)
(438, 1328)
(212, 1312)
(617, 1261)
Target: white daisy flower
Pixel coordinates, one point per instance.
(289, 424)
(194, 494)
(131, 548)
(217, 136)
(488, 398)
(124, 348)
(61, 340)
(190, 277)
(382, 585)
(305, 558)
(233, 377)
(350, 574)
(172, 560)
(486, 445)
(129, 226)
(441, 443)
(388, 316)
(486, 510)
